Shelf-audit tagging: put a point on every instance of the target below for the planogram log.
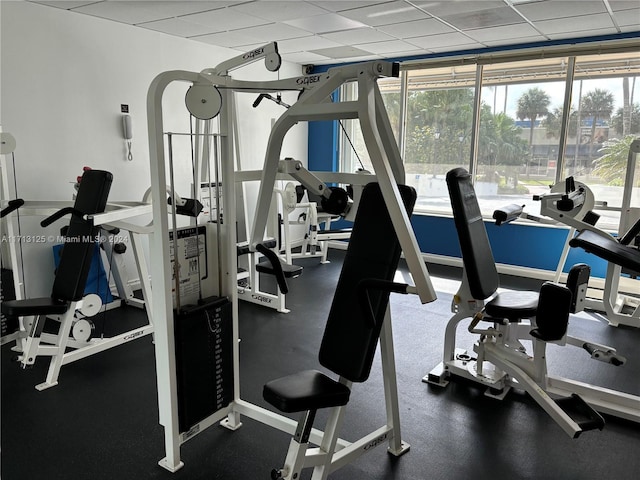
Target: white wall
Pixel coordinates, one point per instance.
(63, 78)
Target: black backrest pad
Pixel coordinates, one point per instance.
(476, 251)
(350, 341)
(75, 258)
(554, 306)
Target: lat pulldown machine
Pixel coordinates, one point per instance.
(210, 95)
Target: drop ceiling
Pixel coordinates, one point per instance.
(336, 31)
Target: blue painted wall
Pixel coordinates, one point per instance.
(530, 246)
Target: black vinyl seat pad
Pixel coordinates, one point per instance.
(34, 306)
(306, 390)
(513, 305)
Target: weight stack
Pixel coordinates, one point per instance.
(9, 325)
(204, 360)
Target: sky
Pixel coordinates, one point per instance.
(555, 90)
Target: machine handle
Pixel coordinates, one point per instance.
(12, 205)
(59, 214)
(364, 299)
(277, 266)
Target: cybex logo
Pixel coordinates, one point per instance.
(376, 442)
(253, 54)
(133, 335)
(308, 80)
(260, 298)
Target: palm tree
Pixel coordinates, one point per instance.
(626, 123)
(611, 166)
(532, 104)
(598, 104)
(553, 122)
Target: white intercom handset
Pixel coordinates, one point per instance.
(127, 131)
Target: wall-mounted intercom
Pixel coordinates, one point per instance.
(127, 131)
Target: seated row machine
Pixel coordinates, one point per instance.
(502, 361)
(348, 345)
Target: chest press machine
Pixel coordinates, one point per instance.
(348, 345)
(501, 360)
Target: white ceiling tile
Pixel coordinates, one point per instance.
(225, 19)
(304, 58)
(134, 12)
(628, 17)
(385, 13)
(350, 59)
(231, 39)
(341, 52)
(450, 7)
(584, 33)
(441, 40)
(177, 26)
(418, 28)
(388, 47)
(341, 5)
(464, 46)
(515, 40)
(513, 32)
(313, 42)
(66, 5)
(559, 9)
(330, 22)
(577, 24)
(280, 10)
(273, 32)
(617, 5)
(493, 17)
(629, 28)
(345, 29)
(358, 35)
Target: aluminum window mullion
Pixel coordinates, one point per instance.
(566, 116)
(404, 79)
(475, 125)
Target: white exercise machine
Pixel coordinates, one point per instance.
(75, 338)
(507, 323)
(210, 97)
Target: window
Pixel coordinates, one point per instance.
(518, 141)
(604, 119)
(516, 155)
(353, 153)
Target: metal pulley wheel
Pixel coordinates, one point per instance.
(272, 62)
(91, 305)
(203, 101)
(82, 330)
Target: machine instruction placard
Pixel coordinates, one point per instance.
(192, 264)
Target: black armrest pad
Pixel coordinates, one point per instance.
(608, 249)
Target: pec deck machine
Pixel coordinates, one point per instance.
(196, 335)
